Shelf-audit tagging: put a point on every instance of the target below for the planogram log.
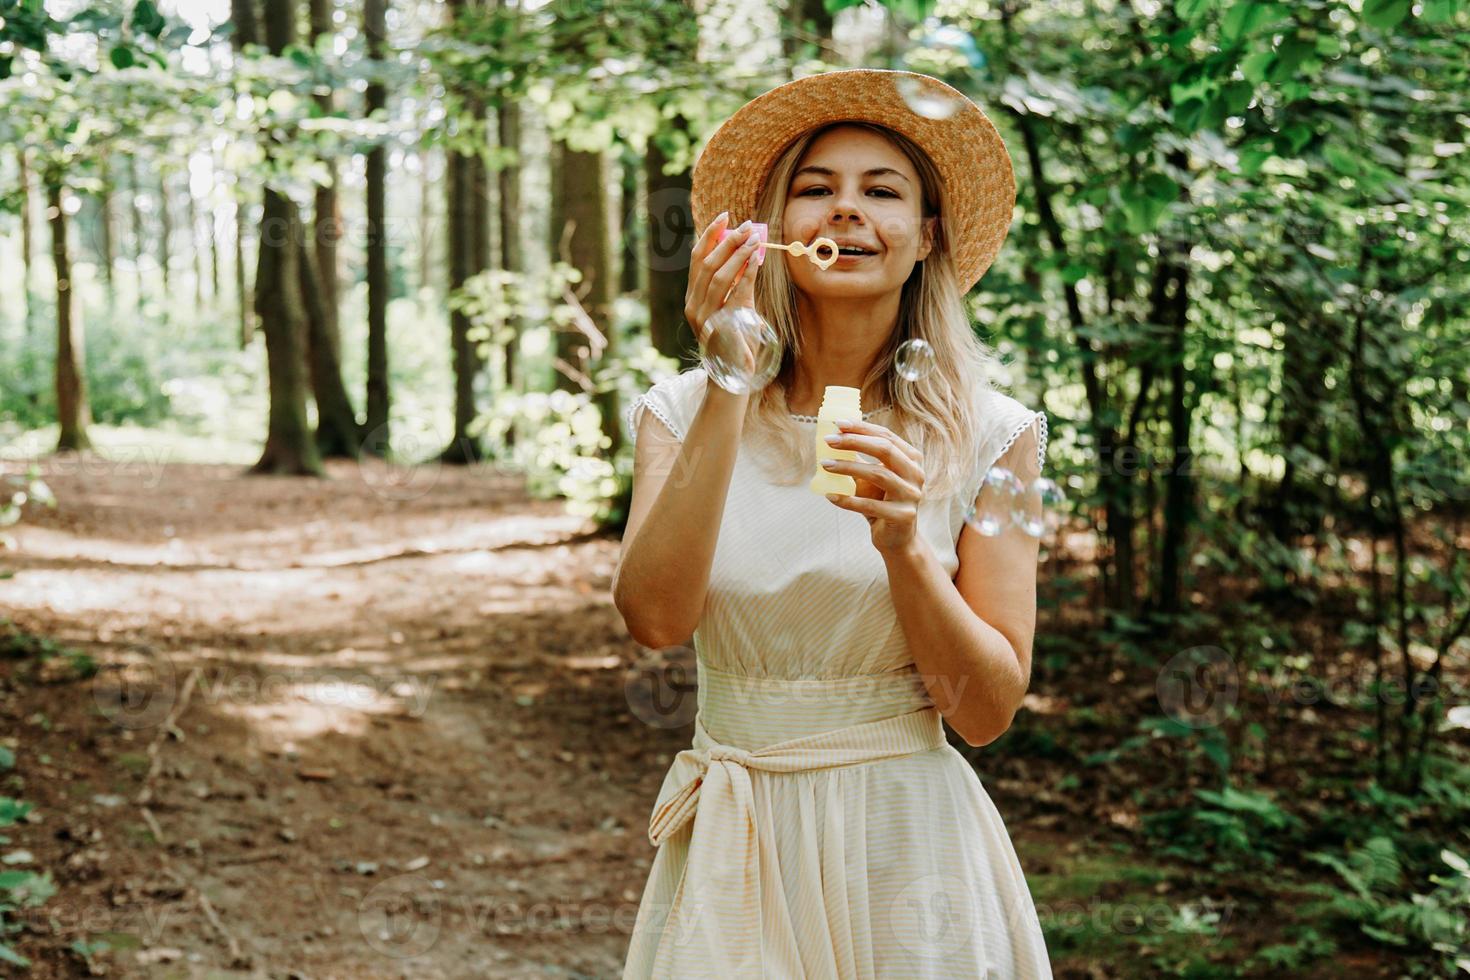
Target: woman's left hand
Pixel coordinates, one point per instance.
(890, 491)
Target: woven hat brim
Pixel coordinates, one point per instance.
(966, 148)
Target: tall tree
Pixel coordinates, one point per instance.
(165, 232)
(104, 226)
(135, 227)
(379, 396)
(669, 245)
(468, 254)
(289, 447)
(72, 411)
(26, 235)
(626, 226)
(327, 217)
(580, 237)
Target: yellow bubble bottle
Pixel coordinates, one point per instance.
(838, 402)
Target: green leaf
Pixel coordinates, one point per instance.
(121, 56)
(1385, 14)
(1343, 160)
(835, 5)
(147, 19)
(1289, 58)
(1160, 188)
(1187, 114)
(1300, 135)
(1193, 10)
(1257, 65)
(1244, 17)
(7, 758)
(1143, 212)
(1439, 11)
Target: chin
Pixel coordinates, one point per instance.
(845, 285)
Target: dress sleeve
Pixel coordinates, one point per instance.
(674, 400)
(1004, 421)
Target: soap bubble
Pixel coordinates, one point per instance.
(1038, 509)
(995, 503)
(927, 98)
(914, 359)
(741, 351)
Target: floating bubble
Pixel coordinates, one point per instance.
(1038, 509)
(741, 351)
(995, 502)
(914, 359)
(926, 98)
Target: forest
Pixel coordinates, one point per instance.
(319, 327)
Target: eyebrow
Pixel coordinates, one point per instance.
(875, 172)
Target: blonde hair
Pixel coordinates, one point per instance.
(938, 413)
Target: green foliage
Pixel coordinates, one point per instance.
(1234, 828)
(1381, 904)
(19, 889)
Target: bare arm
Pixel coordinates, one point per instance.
(679, 488)
(972, 639)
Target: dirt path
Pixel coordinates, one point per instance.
(406, 747)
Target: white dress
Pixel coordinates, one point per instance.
(820, 826)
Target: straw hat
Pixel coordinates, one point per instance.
(980, 185)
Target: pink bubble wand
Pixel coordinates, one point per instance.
(822, 251)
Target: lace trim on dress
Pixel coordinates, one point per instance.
(1033, 418)
(643, 401)
(813, 418)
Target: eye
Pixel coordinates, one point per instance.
(885, 192)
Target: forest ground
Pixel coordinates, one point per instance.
(408, 748)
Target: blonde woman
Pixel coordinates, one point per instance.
(821, 825)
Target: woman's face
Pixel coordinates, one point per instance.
(856, 188)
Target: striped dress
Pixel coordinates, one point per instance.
(820, 825)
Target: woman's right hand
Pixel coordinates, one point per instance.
(715, 267)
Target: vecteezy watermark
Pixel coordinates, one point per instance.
(138, 694)
(400, 458)
(661, 687)
(124, 460)
(1199, 687)
(401, 916)
(933, 916)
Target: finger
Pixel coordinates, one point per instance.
(892, 485)
(724, 279)
(869, 507)
(865, 427)
(883, 449)
(702, 269)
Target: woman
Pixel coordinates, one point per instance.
(821, 825)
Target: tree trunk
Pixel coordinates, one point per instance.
(327, 230)
(807, 22)
(104, 228)
(242, 14)
(511, 259)
(165, 235)
(289, 447)
(196, 261)
(671, 236)
(579, 225)
(72, 412)
(26, 257)
(468, 247)
(212, 236)
(337, 433)
(426, 220)
(135, 219)
(627, 226)
(242, 286)
(379, 396)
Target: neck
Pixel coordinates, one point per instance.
(840, 341)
